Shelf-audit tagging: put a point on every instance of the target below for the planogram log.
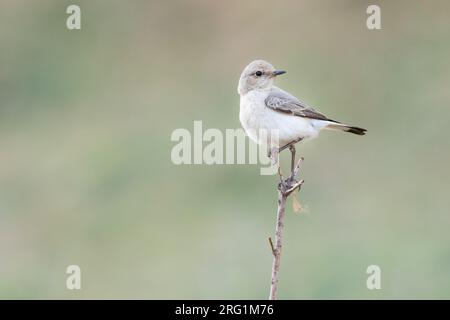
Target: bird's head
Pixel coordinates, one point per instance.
(259, 74)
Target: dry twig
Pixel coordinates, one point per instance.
(285, 188)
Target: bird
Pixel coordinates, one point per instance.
(263, 106)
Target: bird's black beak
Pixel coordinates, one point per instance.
(278, 72)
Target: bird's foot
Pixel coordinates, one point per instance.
(290, 184)
(287, 186)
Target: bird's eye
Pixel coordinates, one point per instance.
(258, 73)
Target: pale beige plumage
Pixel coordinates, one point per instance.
(265, 106)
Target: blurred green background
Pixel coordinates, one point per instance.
(86, 176)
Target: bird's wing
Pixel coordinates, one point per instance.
(282, 101)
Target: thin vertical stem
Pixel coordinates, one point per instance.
(278, 243)
(285, 188)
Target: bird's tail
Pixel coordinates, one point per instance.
(343, 127)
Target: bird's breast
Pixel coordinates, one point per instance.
(253, 111)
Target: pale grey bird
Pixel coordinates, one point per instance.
(267, 107)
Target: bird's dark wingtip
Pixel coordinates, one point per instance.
(356, 130)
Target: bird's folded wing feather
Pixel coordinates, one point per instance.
(282, 101)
